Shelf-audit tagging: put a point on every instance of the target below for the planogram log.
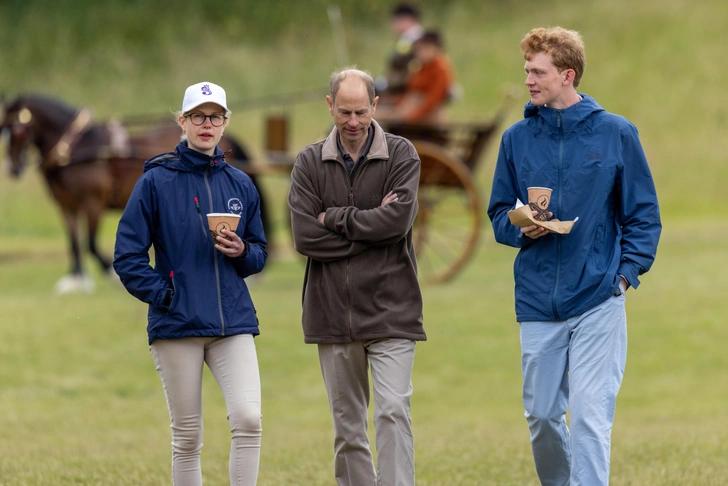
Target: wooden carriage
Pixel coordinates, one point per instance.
(450, 217)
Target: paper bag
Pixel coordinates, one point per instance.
(521, 216)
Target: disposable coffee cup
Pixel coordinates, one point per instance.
(219, 221)
(539, 199)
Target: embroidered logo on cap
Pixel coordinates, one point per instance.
(206, 90)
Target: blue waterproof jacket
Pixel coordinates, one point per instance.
(167, 210)
(594, 162)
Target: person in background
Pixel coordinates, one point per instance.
(200, 309)
(429, 87)
(570, 289)
(353, 201)
(405, 24)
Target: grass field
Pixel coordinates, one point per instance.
(81, 403)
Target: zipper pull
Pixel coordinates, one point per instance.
(197, 205)
(351, 196)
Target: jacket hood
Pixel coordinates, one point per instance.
(544, 117)
(186, 159)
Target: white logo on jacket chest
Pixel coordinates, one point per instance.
(235, 206)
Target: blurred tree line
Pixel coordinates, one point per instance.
(82, 24)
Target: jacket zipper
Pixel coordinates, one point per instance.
(558, 211)
(217, 267)
(199, 215)
(174, 289)
(348, 261)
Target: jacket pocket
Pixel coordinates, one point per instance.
(205, 231)
(597, 250)
(517, 268)
(175, 294)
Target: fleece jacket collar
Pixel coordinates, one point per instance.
(378, 150)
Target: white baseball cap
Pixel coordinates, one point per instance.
(201, 93)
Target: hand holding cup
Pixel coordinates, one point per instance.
(539, 199)
(222, 229)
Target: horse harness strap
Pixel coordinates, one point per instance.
(60, 154)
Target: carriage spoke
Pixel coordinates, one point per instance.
(446, 229)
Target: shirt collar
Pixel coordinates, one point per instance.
(364, 150)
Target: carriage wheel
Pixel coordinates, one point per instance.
(447, 226)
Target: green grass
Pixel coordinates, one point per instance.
(82, 404)
(80, 401)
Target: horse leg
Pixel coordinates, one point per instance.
(71, 220)
(76, 281)
(94, 211)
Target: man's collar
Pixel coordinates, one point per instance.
(365, 149)
(378, 150)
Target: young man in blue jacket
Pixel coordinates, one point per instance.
(570, 289)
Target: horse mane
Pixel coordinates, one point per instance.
(53, 108)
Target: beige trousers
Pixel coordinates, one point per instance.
(234, 364)
(345, 371)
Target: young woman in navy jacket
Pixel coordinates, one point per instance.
(200, 309)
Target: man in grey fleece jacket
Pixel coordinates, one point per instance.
(353, 200)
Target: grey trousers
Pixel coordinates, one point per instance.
(345, 371)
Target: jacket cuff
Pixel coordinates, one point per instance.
(630, 272)
(245, 249)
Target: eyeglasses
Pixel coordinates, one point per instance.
(198, 119)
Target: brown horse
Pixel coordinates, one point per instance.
(89, 167)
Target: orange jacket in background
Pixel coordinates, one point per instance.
(431, 84)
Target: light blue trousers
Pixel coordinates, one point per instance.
(579, 364)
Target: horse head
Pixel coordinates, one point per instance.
(4, 135)
(16, 133)
(30, 121)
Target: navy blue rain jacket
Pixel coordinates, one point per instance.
(594, 162)
(167, 210)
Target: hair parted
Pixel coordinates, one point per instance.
(565, 46)
(338, 76)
